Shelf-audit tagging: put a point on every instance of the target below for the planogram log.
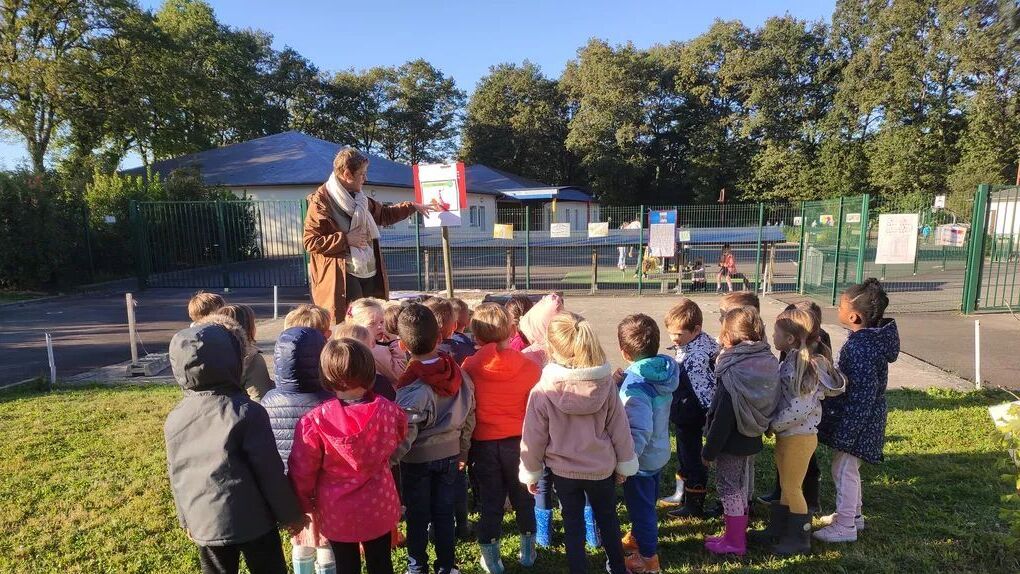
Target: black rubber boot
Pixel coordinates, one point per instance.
(775, 527)
(694, 506)
(796, 538)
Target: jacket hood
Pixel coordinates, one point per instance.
(660, 373)
(206, 358)
(884, 339)
(750, 373)
(296, 360)
(578, 391)
(443, 376)
(535, 323)
(490, 363)
(343, 428)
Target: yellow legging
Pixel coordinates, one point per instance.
(792, 456)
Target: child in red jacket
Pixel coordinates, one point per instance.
(339, 463)
(503, 379)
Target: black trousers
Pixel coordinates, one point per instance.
(358, 288)
(378, 559)
(688, 453)
(264, 555)
(494, 466)
(602, 496)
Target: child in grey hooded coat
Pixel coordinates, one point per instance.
(225, 472)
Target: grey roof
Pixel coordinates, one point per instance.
(484, 179)
(288, 158)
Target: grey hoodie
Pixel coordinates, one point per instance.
(225, 472)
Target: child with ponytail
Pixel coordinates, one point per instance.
(806, 376)
(575, 425)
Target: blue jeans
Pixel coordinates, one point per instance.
(640, 494)
(430, 494)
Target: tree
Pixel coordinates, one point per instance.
(516, 121)
(420, 122)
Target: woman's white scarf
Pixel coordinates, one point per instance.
(361, 262)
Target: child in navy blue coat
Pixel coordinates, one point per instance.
(853, 424)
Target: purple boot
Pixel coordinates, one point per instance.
(733, 540)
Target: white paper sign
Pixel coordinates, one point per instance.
(897, 239)
(109, 219)
(853, 218)
(940, 202)
(598, 229)
(662, 240)
(797, 221)
(559, 230)
(440, 190)
(683, 235)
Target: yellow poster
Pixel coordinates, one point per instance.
(503, 231)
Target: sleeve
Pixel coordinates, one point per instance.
(321, 236)
(721, 425)
(418, 409)
(797, 413)
(469, 423)
(390, 214)
(534, 441)
(859, 397)
(170, 473)
(639, 417)
(304, 463)
(259, 448)
(623, 444)
(398, 360)
(256, 378)
(699, 371)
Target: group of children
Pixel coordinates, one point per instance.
(398, 409)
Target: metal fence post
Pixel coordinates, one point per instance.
(976, 250)
(417, 249)
(641, 250)
(862, 249)
(839, 241)
(222, 234)
(527, 247)
(88, 241)
(134, 212)
(800, 251)
(757, 252)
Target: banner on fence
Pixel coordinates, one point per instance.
(797, 221)
(443, 187)
(940, 202)
(683, 235)
(853, 218)
(897, 239)
(662, 233)
(952, 235)
(503, 231)
(598, 229)
(559, 230)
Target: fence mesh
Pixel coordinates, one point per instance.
(1001, 252)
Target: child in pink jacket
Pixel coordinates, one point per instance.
(534, 325)
(575, 425)
(339, 463)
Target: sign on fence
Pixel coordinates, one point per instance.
(597, 229)
(951, 235)
(797, 221)
(443, 187)
(940, 202)
(897, 239)
(503, 231)
(662, 233)
(559, 230)
(853, 218)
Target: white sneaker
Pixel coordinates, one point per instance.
(836, 532)
(859, 523)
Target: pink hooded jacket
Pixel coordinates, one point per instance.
(535, 325)
(339, 467)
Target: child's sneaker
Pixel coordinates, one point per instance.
(638, 564)
(859, 523)
(836, 532)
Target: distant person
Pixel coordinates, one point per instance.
(728, 270)
(621, 262)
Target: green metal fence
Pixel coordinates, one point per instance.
(993, 256)
(834, 245)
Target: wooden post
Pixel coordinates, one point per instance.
(131, 327)
(428, 272)
(447, 265)
(594, 270)
(509, 268)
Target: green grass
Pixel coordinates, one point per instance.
(8, 296)
(614, 275)
(83, 488)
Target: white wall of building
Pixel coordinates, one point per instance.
(1005, 216)
(576, 213)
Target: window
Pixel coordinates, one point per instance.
(476, 216)
(481, 216)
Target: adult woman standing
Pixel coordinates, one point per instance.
(341, 235)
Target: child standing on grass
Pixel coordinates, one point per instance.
(576, 426)
(746, 396)
(806, 377)
(226, 475)
(339, 465)
(368, 313)
(647, 394)
(853, 424)
(439, 401)
(503, 379)
(695, 352)
(383, 386)
(534, 325)
(255, 373)
(299, 390)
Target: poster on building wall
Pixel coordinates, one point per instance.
(503, 231)
(598, 229)
(559, 230)
(897, 239)
(443, 187)
(662, 233)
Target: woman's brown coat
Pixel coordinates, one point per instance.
(326, 244)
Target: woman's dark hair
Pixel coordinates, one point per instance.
(869, 300)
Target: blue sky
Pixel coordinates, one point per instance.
(464, 38)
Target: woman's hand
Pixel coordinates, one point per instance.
(357, 239)
(422, 209)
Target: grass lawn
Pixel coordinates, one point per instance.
(83, 488)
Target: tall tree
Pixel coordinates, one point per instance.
(421, 119)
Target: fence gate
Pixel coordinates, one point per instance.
(994, 251)
(217, 244)
(834, 242)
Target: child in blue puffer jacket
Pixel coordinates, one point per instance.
(298, 390)
(647, 394)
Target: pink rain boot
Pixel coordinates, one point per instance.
(733, 540)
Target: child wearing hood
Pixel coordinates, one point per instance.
(746, 396)
(647, 394)
(535, 324)
(806, 377)
(853, 424)
(576, 426)
(439, 401)
(339, 464)
(226, 475)
(503, 379)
